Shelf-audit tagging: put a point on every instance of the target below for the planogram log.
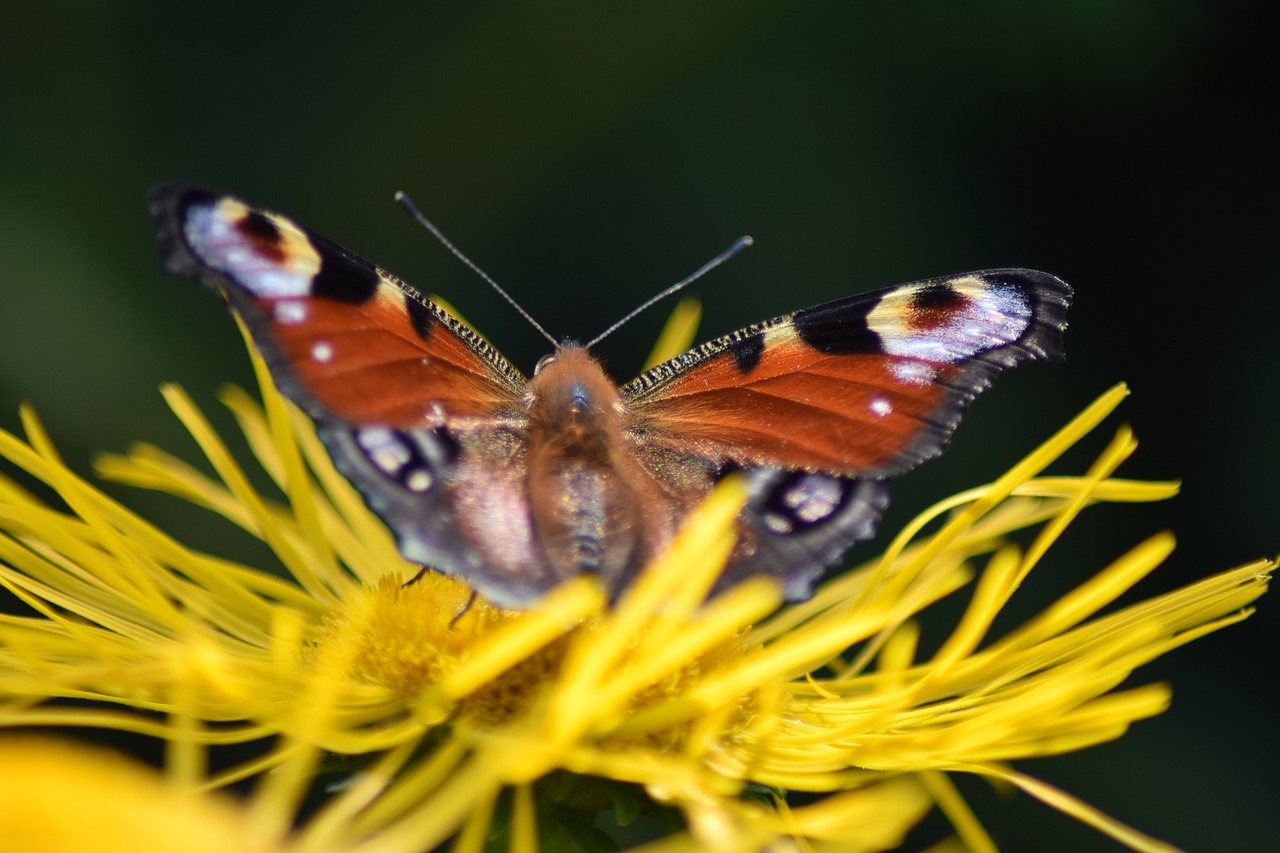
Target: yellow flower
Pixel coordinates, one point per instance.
(58, 795)
(445, 718)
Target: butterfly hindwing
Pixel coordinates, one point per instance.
(457, 502)
(796, 524)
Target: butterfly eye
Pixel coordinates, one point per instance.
(545, 361)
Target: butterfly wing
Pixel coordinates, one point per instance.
(420, 413)
(820, 406)
(342, 337)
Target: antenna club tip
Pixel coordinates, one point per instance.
(399, 195)
(743, 242)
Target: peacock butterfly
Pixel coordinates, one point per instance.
(517, 484)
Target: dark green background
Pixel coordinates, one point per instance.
(587, 154)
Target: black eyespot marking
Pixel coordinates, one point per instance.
(257, 226)
(936, 295)
(446, 448)
(838, 328)
(747, 352)
(420, 316)
(263, 235)
(343, 279)
(934, 306)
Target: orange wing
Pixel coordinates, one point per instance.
(865, 386)
(342, 337)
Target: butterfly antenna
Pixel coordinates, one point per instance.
(457, 253)
(738, 245)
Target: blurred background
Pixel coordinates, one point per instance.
(588, 154)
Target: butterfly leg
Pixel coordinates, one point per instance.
(411, 581)
(462, 611)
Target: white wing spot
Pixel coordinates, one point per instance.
(436, 415)
(814, 498)
(913, 372)
(322, 351)
(778, 524)
(290, 311)
(418, 481)
(880, 406)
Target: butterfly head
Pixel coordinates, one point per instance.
(570, 391)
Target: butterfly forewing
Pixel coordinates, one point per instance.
(863, 386)
(342, 337)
